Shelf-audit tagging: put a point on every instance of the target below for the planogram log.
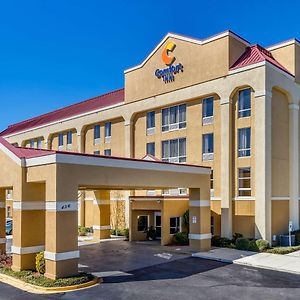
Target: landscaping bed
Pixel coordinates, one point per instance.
(283, 250)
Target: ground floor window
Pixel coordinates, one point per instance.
(244, 182)
(212, 225)
(143, 223)
(174, 225)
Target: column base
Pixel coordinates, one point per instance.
(62, 268)
(101, 234)
(201, 245)
(23, 262)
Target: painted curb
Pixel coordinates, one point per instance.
(28, 287)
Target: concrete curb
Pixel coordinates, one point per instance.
(28, 287)
(223, 260)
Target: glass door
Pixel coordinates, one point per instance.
(157, 224)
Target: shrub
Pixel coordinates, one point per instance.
(186, 221)
(242, 244)
(126, 233)
(283, 250)
(151, 234)
(82, 231)
(253, 246)
(40, 263)
(113, 231)
(181, 238)
(262, 245)
(236, 236)
(218, 241)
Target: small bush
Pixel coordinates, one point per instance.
(236, 236)
(283, 250)
(40, 263)
(186, 221)
(262, 245)
(242, 244)
(181, 238)
(253, 246)
(218, 241)
(126, 233)
(82, 231)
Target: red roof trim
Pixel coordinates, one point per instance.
(256, 54)
(102, 101)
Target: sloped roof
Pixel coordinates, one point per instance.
(255, 54)
(82, 107)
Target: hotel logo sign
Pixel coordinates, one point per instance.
(168, 74)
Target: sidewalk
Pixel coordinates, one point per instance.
(289, 263)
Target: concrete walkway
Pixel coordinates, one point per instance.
(289, 263)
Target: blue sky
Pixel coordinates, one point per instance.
(57, 52)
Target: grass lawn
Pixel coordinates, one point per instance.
(40, 280)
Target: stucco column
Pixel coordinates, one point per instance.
(81, 208)
(226, 167)
(28, 224)
(101, 227)
(294, 163)
(129, 144)
(47, 143)
(263, 163)
(2, 222)
(200, 230)
(80, 141)
(61, 253)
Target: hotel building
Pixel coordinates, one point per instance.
(219, 102)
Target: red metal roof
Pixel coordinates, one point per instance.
(255, 54)
(86, 106)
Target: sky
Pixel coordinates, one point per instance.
(57, 52)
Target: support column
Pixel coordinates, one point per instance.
(101, 225)
(81, 208)
(226, 168)
(294, 164)
(80, 141)
(263, 163)
(28, 224)
(200, 230)
(2, 222)
(47, 142)
(61, 252)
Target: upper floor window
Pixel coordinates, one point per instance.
(244, 182)
(207, 111)
(244, 142)
(97, 134)
(212, 183)
(39, 143)
(244, 103)
(208, 146)
(174, 150)
(107, 132)
(174, 117)
(150, 122)
(32, 143)
(60, 139)
(151, 148)
(69, 138)
(107, 152)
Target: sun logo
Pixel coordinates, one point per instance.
(167, 59)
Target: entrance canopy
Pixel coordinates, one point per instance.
(46, 185)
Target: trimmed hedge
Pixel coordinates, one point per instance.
(181, 238)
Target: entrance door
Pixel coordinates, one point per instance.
(157, 224)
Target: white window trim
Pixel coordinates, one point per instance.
(173, 126)
(97, 141)
(174, 159)
(107, 139)
(243, 189)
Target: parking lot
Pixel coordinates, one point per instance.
(148, 271)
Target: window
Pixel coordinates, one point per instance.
(97, 134)
(244, 142)
(244, 103)
(207, 111)
(39, 143)
(8, 194)
(97, 152)
(174, 150)
(244, 182)
(107, 152)
(150, 122)
(8, 212)
(174, 117)
(150, 148)
(107, 132)
(60, 140)
(174, 225)
(208, 146)
(69, 138)
(143, 223)
(212, 225)
(212, 180)
(32, 143)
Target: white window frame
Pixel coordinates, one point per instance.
(207, 156)
(97, 139)
(173, 126)
(60, 137)
(174, 159)
(150, 130)
(207, 120)
(240, 111)
(242, 150)
(147, 148)
(180, 229)
(107, 138)
(244, 178)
